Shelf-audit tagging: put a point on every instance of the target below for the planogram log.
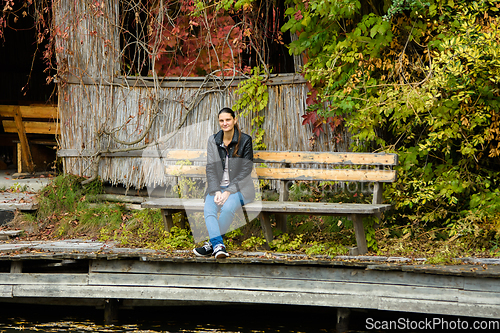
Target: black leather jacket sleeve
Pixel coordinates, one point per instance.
(213, 167)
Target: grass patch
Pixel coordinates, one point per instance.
(65, 211)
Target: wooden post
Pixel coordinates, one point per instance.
(378, 191)
(25, 148)
(342, 320)
(19, 159)
(266, 227)
(359, 231)
(168, 222)
(298, 60)
(110, 311)
(16, 267)
(183, 220)
(281, 218)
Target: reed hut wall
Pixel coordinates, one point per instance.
(102, 112)
(87, 38)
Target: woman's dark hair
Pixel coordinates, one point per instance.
(231, 112)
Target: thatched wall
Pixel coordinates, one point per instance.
(101, 112)
(89, 110)
(87, 40)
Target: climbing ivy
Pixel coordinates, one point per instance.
(253, 98)
(420, 79)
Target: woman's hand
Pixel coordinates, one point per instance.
(221, 197)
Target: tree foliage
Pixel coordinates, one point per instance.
(196, 44)
(422, 81)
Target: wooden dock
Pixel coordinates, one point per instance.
(97, 274)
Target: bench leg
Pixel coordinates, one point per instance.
(183, 220)
(266, 227)
(281, 222)
(359, 231)
(281, 218)
(168, 222)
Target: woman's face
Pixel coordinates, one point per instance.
(226, 122)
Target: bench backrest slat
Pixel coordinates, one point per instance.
(358, 175)
(292, 157)
(343, 158)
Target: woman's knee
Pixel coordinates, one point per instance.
(231, 206)
(210, 207)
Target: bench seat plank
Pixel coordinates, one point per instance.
(275, 207)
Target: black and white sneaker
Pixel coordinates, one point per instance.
(220, 252)
(204, 251)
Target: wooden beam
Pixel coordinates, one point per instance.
(34, 127)
(39, 111)
(25, 148)
(182, 82)
(31, 111)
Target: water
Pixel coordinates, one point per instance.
(241, 319)
(210, 319)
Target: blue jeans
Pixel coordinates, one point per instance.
(218, 226)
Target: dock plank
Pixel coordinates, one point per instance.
(260, 297)
(484, 297)
(6, 291)
(275, 285)
(18, 200)
(43, 278)
(306, 273)
(440, 308)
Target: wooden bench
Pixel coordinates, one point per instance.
(29, 119)
(342, 167)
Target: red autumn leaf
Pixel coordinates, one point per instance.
(317, 130)
(298, 15)
(309, 118)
